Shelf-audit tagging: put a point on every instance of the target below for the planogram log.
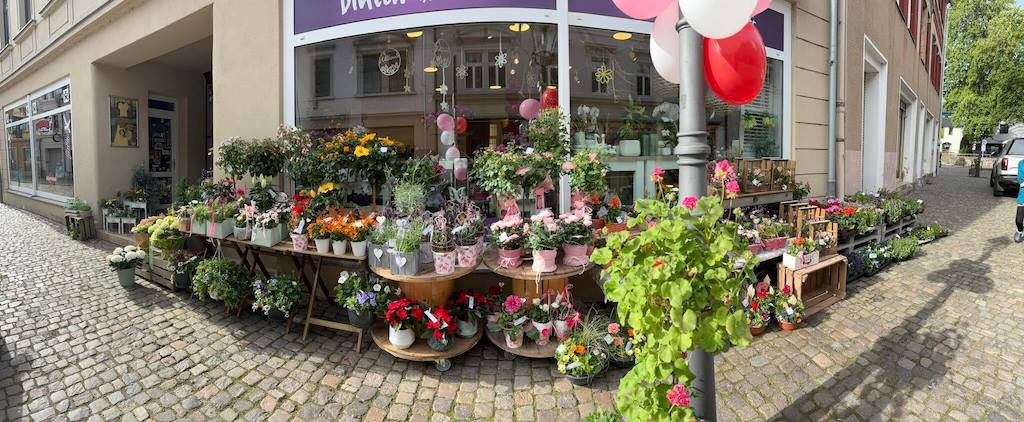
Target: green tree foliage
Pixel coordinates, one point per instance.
(984, 77)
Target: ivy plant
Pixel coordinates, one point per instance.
(677, 283)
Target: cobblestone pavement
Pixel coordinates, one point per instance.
(934, 338)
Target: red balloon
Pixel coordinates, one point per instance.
(735, 67)
(549, 99)
(460, 125)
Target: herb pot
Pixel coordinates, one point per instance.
(323, 246)
(199, 227)
(510, 259)
(185, 225)
(242, 233)
(756, 331)
(562, 330)
(466, 328)
(126, 277)
(514, 342)
(426, 253)
(361, 320)
(339, 246)
(545, 261)
(467, 255)
(544, 330)
(379, 257)
(788, 326)
(622, 363)
(300, 241)
(444, 262)
(438, 345)
(405, 263)
(401, 339)
(575, 255)
(359, 248)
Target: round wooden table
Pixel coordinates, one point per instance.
(421, 352)
(427, 286)
(529, 348)
(530, 284)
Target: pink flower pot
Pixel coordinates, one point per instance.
(545, 261)
(562, 330)
(510, 259)
(756, 248)
(300, 241)
(775, 244)
(575, 255)
(468, 255)
(444, 262)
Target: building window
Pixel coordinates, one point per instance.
(643, 81)
(39, 144)
(322, 77)
(5, 23)
(26, 12)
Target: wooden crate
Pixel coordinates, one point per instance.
(157, 271)
(818, 286)
(747, 168)
(778, 167)
(83, 223)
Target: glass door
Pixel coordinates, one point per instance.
(161, 148)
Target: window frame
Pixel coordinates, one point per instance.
(31, 117)
(6, 22)
(27, 12)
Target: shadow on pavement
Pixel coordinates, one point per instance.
(10, 381)
(893, 378)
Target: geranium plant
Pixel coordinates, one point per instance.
(587, 171)
(575, 227)
(788, 308)
(759, 304)
(509, 233)
(677, 283)
(403, 313)
(279, 293)
(543, 233)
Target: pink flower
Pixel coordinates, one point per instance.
(613, 328)
(513, 304)
(592, 156)
(732, 187)
(679, 396)
(522, 171)
(617, 342)
(658, 171)
(690, 202)
(724, 167)
(568, 166)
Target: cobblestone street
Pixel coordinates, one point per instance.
(935, 338)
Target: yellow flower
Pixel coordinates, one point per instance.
(361, 151)
(327, 187)
(367, 138)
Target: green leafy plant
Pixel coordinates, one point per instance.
(234, 155)
(604, 415)
(77, 204)
(549, 132)
(409, 198)
(895, 209)
(223, 279)
(280, 293)
(677, 283)
(201, 214)
(902, 249)
(587, 171)
(408, 240)
(875, 256)
(383, 232)
(929, 233)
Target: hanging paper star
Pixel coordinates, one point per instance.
(501, 59)
(461, 72)
(443, 89)
(604, 75)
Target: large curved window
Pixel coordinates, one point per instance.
(39, 144)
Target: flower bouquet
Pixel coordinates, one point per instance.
(577, 237)
(279, 294)
(544, 238)
(403, 316)
(124, 261)
(509, 235)
(788, 309)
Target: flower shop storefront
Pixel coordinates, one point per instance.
(393, 67)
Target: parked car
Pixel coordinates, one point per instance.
(1004, 170)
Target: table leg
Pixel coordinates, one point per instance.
(300, 266)
(312, 298)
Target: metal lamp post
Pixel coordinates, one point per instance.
(692, 151)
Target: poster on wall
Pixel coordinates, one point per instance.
(124, 122)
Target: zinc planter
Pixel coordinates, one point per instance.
(575, 255)
(242, 233)
(339, 246)
(126, 277)
(510, 259)
(466, 329)
(401, 339)
(379, 256)
(266, 237)
(359, 248)
(438, 345)
(220, 230)
(199, 227)
(361, 320)
(444, 262)
(544, 261)
(323, 246)
(407, 263)
(426, 253)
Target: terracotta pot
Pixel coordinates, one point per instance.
(545, 261)
(788, 326)
(575, 255)
(598, 223)
(510, 259)
(756, 331)
(617, 227)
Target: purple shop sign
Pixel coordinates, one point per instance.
(316, 14)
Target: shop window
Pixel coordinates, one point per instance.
(39, 144)
(373, 81)
(643, 81)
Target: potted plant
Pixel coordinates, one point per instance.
(278, 294)
(826, 243)
(220, 279)
(76, 207)
(467, 234)
(564, 317)
(511, 321)
(574, 228)
(494, 306)
(164, 234)
(222, 219)
(406, 259)
(614, 215)
(509, 235)
(788, 309)
(321, 236)
(876, 257)
(584, 354)
(124, 261)
(622, 343)
(383, 234)
(362, 300)
(300, 215)
(540, 317)
(243, 221)
(337, 225)
(402, 315)
(800, 252)
(543, 239)
(141, 231)
(442, 245)
(200, 219)
(801, 190)
(587, 173)
(265, 227)
(466, 306)
(184, 214)
(359, 231)
(410, 198)
(439, 329)
(757, 306)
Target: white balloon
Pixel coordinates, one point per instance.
(717, 18)
(448, 137)
(665, 45)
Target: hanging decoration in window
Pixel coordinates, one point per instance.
(442, 54)
(461, 71)
(604, 75)
(390, 61)
(408, 80)
(502, 58)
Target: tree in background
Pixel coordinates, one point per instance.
(984, 76)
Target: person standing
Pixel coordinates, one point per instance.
(1020, 204)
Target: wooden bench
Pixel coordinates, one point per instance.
(818, 286)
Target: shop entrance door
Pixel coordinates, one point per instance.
(162, 141)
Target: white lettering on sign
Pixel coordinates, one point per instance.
(471, 302)
(353, 5)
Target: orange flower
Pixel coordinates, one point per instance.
(580, 349)
(630, 332)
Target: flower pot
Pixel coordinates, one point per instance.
(242, 233)
(266, 237)
(426, 253)
(283, 228)
(562, 330)
(828, 252)
(617, 227)
(466, 329)
(300, 242)
(379, 256)
(585, 379)
(666, 150)
(775, 244)
(622, 363)
(544, 330)
(468, 255)
(358, 248)
(788, 326)
(407, 263)
(401, 339)
(221, 230)
(756, 331)
(339, 246)
(510, 259)
(492, 322)
(185, 225)
(126, 277)
(444, 262)
(756, 248)
(598, 223)
(799, 261)
(545, 261)
(214, 295)
(514, 343)
(575, 255)
(142, 240)
(199, 227)
(361, 320)
(629, 148)
(438, 345)
(323, 246)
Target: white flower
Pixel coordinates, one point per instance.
(536, 302)
(129, 248)
(119, 251)
(376, 287)
(117, 259)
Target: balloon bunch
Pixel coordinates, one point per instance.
(734, 57)
(530, 108)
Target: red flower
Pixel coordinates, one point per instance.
(786, 290)
(657, 264)
(417, 314)
(849, 211)
(438, 335)
(755, 305)
(402, 314)
(761, 294)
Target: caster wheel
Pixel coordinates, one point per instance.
(510, 356)
(443, 365)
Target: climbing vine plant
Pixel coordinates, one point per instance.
(679, 284)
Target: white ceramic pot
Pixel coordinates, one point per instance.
(359, 248)
(629, 148)
(323, 246)
(339, 246)
(466, 329)
(401, 339)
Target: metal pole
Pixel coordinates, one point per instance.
(692, 152)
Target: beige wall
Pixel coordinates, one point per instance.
(810, 51)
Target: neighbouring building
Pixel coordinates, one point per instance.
(160, 84)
